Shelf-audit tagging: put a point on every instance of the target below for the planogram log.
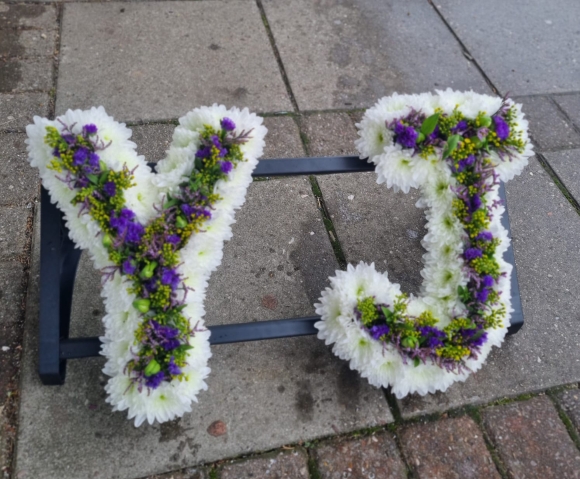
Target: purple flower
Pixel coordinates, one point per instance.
(80, 156)
(94, 160)
(474, 337)
(460, 127)
(170, 277)
(129, 266)
(166, 335)
(474, 203)
(488, 281)
(82, 182)
(173, 239)
(226, 166)
(405, 135)
(70, 139)
(188, 210)
(121, 221)
(502, 129)
(56, 153)
(134, 233)
(379, 330)
(470, 160)
(173, 368)
(484, 236)
(204, 152)
(154, 381)
(433, 336)
(110, 188)
(228, 124)
(216, 142)
(433, 136)
(482, 295)
(482, 133)
(472, 253)
(89, 129)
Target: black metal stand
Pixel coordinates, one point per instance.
(59, 260)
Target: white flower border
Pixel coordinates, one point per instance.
(198, 258)
(380, 363)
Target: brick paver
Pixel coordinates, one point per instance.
(370, 457)
(532, 441)
(279, 465)
(448, 449)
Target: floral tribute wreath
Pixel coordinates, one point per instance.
(156, 237)
(456, 148)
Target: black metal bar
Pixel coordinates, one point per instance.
(57, 279)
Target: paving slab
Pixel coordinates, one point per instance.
(27, 16)
(17, 110)
(277, 465)
(266, 394)
(330, 134)
(548, 127)
(189, 473)
(531, 440)
(347, 54)
(544, 353)
(528, 51)
(13, 222)
(569, 401)
(448, 449)
(571, 105)
(152, 140)
(148, 63)
(283, 139)
(18, 181)
(22, 75)
(375, 456)
(565, 164)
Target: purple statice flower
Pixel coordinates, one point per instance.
(121, 220)
(479, 340)
(188, 210)
(228, 124)
(94, 160)
(379, 330)
(82, 182)
(155, 381)
(134, 233)
(474, 203)
(482, 133)
(166, 335)
(484, 236)
(129, 266)
(465, 162)
(56, 153)
(433, 136)
(216, 142)
(173, 239)
(226, 166)
(482, 295)
(170, 277)
(502, 129)
(70, 139)
(460, 127)
(204, 152)
(80, 156)
(472, 253)
(173, 368)
(110, 189)
(487, 281)
(434, 337)
(405, 135)
(150, 285)
(89, 129)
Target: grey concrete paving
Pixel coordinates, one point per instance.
(152, 140)
(149, 62)
(330, 134)
(266, 393)
(17, 110)
(548, 126)
(18, 182)
(565, 164)
(571, 105)
(347, 54)
(545, 352)
(13, 231)
(283, 138)
(17, 75)
(523, 49)
(26, 16)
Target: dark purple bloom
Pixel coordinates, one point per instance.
(433, 136)
(173, 368)
(82, 182)
(460, 127)
(121, 220)
(484, 236)
(94, 160)
(482, 295)
(228, 124)
(470, 160)
(70, 139)
(154, 381)
(502, 129)
(433, 336)
(226, 166)
(216, 142)
(474, 203)
(150, 285)
(204, 152)
(80, 156)
(173, 239)
(472, 253)
(379, 330)
(474, 337)
(129, 266)
(166, 335)
(188, 210)
(110, 188)
(170, 277)
(405, 135)
(89, 129)
(482, 133)
(56, 153)
(134, 232)
(487, 281)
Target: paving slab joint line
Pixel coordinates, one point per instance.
(558, 182)
(465, 50)
(313, 470)
(569, 120)
(277, 55)
(56, 61)
(565, 419)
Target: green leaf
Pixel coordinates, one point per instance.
(452, 143)
(416, 362)
(389, 315)
(103, 177)
(429, 124)
(199, 164)
(94, 179)
(170, 204)
(182, 348)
